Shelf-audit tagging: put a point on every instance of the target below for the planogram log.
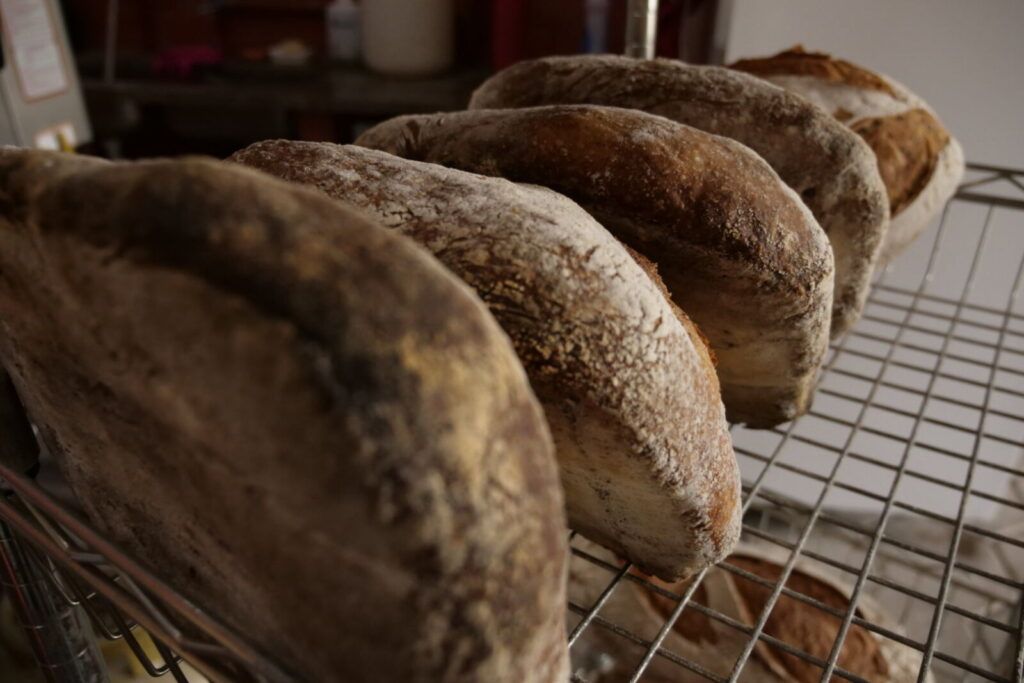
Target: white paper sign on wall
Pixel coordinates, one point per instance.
(33, 48)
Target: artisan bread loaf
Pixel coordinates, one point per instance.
(737, 249)
(830, 167)
(702, 637)
(629, 391)
(920, 162)
(296, 417)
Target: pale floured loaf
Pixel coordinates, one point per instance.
(703, 638)
(629, 391)
(738, 250)
(830, 167)
(920, 162)
(297, 418)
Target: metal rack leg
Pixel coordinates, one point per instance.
(60, 634)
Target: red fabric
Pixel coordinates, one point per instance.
(181, 62)
(507, 32)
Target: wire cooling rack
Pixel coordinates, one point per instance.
(905, 482)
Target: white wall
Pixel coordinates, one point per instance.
(965, 58)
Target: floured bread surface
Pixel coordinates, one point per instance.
(297, 418)
(632, 399)
(920, 162)
(831, 168)
(732, 593)
(736, 247)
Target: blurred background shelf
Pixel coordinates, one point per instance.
(222, 110)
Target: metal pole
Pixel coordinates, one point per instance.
(110, 41)
(641, 26)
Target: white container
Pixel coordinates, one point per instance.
(343, 30)
(408, 37)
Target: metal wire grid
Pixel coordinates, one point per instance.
(905, 479)
(68, 561)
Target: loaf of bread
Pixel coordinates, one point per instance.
(832, 170)
(920, 162)
(738, 250)
(701, 637)
(628, 388)
(294, 416)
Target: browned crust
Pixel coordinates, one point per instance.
(798, 62)
(737, 249)
(667, 181)
(633, 406)
(700, 342)
(803, 626)
(843, 115)
(907, 146)
(229, 368)
(827, 164)
(740, 254)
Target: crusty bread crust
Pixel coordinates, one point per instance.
(738, 250)
(297, 418)
(632, 400)
(921, 163)
(830, 167)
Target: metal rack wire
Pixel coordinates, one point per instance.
(82, 581)
(905, 480)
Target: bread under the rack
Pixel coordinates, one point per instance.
(737, 248)
(627, 385)
(832, 170)
(702, 636)
(297, 418)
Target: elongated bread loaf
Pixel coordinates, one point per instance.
(738, 250)
(628, 388)
(294, 416)
(832, 170)
(920, 162)
(702, 637)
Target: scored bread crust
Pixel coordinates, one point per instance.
(829, 166)
(702, 638)
(632, 399)
(737, 249)
(297, 418)
(922, 164)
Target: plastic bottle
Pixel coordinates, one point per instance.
(343, 31)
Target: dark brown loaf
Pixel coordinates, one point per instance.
(714, 644)
(296, 417)
(831, 169)
(919, 161)
(632, 400)
(738, 250)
